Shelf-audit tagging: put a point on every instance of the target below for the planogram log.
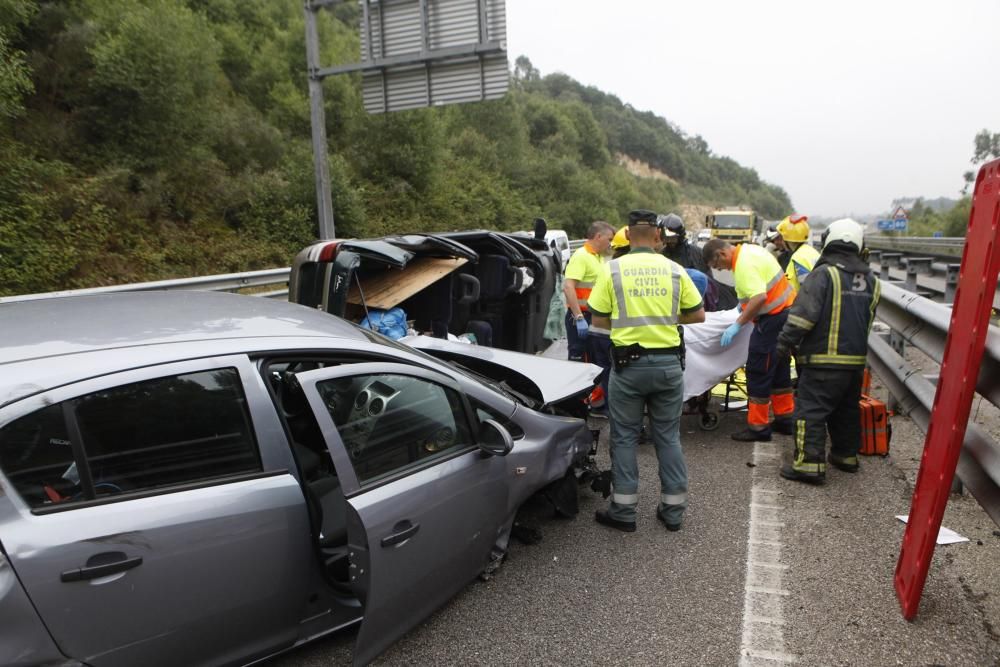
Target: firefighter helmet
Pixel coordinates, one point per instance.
(846, 230)
(794, 228)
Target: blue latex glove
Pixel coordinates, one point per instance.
(582, 328)
(730, 333)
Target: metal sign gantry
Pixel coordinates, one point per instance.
(415, 53)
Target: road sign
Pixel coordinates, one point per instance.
(894, 225)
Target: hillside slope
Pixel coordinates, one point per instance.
(167, 138)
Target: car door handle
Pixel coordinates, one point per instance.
(405, 530)
(102, 565)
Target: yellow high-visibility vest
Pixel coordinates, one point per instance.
(584, 267)
(645, 294)
(802, 262)
(756, 271)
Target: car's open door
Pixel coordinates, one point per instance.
(425, 505)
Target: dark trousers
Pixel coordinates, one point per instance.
(599, 353)
(769, 379)
(827, 400)
(575, 347)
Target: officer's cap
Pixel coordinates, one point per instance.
(641, 217)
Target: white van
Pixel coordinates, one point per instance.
(558, 240)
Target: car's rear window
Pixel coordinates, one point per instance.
(135, 437)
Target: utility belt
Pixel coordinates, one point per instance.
(623, 355)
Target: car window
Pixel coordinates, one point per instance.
(390, 422)
(157, 433)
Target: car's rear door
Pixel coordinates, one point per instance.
(426, 505)
(153, 519)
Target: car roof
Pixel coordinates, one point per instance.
(73, 325)
(50, 342)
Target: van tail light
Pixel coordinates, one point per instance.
(329, 251)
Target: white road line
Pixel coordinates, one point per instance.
(763, 621)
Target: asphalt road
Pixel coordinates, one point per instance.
(589, 595)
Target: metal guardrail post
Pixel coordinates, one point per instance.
(951, 282)
(887, 261)
(915, 266)
(979, 464)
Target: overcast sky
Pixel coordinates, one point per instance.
(847, 105)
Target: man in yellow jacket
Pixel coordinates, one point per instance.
(642, 297)
(794, 232)
(765, 295)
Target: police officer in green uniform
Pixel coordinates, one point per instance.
(827, 328)
(642, 297)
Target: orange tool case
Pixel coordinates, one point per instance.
(875, 428)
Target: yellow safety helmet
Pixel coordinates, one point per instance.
(794, 228)
(620, 240)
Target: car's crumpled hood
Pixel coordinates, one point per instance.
(555, 379)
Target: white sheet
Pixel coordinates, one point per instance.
(708, 363)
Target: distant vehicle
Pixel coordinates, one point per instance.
(559, 242)
(200, 478)
(704, 234)
(495, 285)
(736, 225)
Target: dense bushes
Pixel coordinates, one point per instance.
(146, 139)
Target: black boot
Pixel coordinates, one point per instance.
(844, 464)
(784, 426)
(601, 516)
(752, 435)
(788, 472)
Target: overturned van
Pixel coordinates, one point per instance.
(494, 285)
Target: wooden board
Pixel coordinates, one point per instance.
(394, 286)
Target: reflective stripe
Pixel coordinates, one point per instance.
(844, 359)
(800, 443)
(600, 330)
(580, 283)
(770, 305)
(801, 322)
(625, 498)
(876, 295)
(673, 499)
(809, 467)
(774, 281)
(831, 342)
(623, 319)
(799, 463)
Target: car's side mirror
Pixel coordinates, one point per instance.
(494, 439)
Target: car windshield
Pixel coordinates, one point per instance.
(732, 222)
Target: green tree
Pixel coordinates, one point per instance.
(156, 72)
(987, 147)
(15, 76)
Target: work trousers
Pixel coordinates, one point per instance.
(654, 382)
(769, 379)
(575, 347)
(827, 399)
(599, 353)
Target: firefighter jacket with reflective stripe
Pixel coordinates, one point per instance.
(644, 294)
(756, 271)
(829, 324)
(801, 263)
(584, 267)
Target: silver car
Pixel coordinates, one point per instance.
(200, 478)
